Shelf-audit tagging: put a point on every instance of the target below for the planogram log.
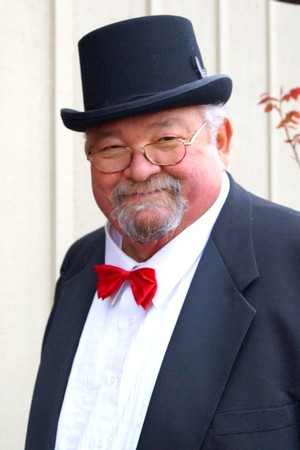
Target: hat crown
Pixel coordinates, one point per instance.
(137, 58)
(141, 66)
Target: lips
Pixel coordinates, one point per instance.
(157, 191)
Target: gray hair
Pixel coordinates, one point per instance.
(214, 115)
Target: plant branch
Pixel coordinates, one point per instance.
(288, 120)
(290, 140)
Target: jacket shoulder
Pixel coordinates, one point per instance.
(272, 220)
(86, 249)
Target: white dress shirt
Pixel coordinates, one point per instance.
(122, 346)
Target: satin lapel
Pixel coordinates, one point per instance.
(233, 236)
(68, 321)
(207, 337)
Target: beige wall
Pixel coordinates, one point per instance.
(45, 194)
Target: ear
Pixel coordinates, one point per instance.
(223, 142)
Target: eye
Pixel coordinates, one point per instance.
(168, 138)
(109, 148)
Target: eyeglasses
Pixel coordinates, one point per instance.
(168, 151)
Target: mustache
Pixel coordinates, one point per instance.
(154, 183)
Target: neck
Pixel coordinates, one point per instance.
(142, 252)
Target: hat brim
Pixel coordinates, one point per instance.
(215, 89)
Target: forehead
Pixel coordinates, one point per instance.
(178, 117)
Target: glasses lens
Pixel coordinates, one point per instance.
(166, 153)
(111, 159)
(115, 159)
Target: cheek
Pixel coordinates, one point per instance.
(200, 176)
(207, 165)
(102, 185)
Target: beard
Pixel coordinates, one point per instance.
(148, 221)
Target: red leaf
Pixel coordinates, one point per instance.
(295, 93)
(291, 117)
(264, 100)
(273, 99)
(269, 107)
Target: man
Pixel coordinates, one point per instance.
(201, 348)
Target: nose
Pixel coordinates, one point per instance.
(140, 169)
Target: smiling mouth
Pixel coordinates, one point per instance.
(156, 191)
(143, 195)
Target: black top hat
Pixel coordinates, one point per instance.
(140, 66)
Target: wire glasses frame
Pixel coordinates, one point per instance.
(116, 158)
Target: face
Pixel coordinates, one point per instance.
(149, 203)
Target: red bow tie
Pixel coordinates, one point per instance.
(142, 281)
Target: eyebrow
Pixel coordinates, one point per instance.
(166, 122)
(154, 125)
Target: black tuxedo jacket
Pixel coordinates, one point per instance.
(230, 379)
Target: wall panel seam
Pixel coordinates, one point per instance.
(63, 197)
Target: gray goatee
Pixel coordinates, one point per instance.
(134, 218)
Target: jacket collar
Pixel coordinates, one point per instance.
(233, 236)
